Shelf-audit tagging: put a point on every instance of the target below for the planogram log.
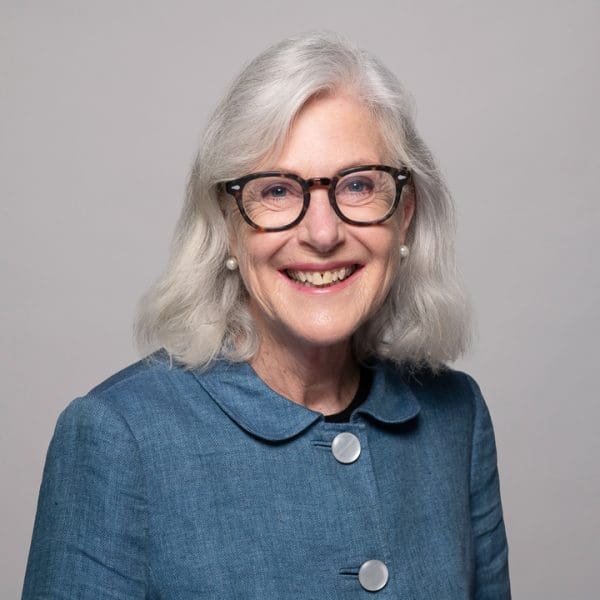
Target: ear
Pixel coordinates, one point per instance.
(233, 229)
(231, 234)
(407, 210)
(222, 200)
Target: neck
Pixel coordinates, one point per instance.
(323, 379)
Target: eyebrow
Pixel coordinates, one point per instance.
(354, 163)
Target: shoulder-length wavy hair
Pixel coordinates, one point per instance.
(198, 311)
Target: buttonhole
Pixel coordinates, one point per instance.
(321, 443)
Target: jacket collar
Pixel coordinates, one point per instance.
(255, 407)
(391, 400)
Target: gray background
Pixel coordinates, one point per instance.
(101, 109)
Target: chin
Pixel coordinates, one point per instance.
(323, 336)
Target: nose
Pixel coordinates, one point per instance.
(321, 228)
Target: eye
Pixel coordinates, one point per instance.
(356, 185)
(275, 191)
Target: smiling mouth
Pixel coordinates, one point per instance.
(320, 279)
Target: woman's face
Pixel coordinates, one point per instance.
(329, 134)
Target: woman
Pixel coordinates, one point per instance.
(298, 435)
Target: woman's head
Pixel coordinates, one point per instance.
(316, 282)
(284, 102)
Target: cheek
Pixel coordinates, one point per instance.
(257, 265)
(240, 239)
(390, 260)
(250, 270)
(389, 244)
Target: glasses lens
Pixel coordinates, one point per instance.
(272, 201)
(366, 196)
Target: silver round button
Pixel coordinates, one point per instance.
(345, 447)
(373, 575)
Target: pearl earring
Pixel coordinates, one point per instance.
(404, 251)
(231, 263)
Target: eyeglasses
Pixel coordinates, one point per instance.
(275, 201)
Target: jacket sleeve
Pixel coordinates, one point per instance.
(90, 528)
(489, 536)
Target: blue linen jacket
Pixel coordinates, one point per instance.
(174, 484)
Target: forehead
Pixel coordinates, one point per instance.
(328, 134)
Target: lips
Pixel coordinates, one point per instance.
(320, 278)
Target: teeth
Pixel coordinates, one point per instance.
(320, 278)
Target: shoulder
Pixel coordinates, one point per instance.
(134, 396)
(153, 371)
(444, 381)
(447, 395)
(445, 386)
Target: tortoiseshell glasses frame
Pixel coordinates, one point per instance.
(235, 188)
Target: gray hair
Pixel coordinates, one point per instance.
(198, 311)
